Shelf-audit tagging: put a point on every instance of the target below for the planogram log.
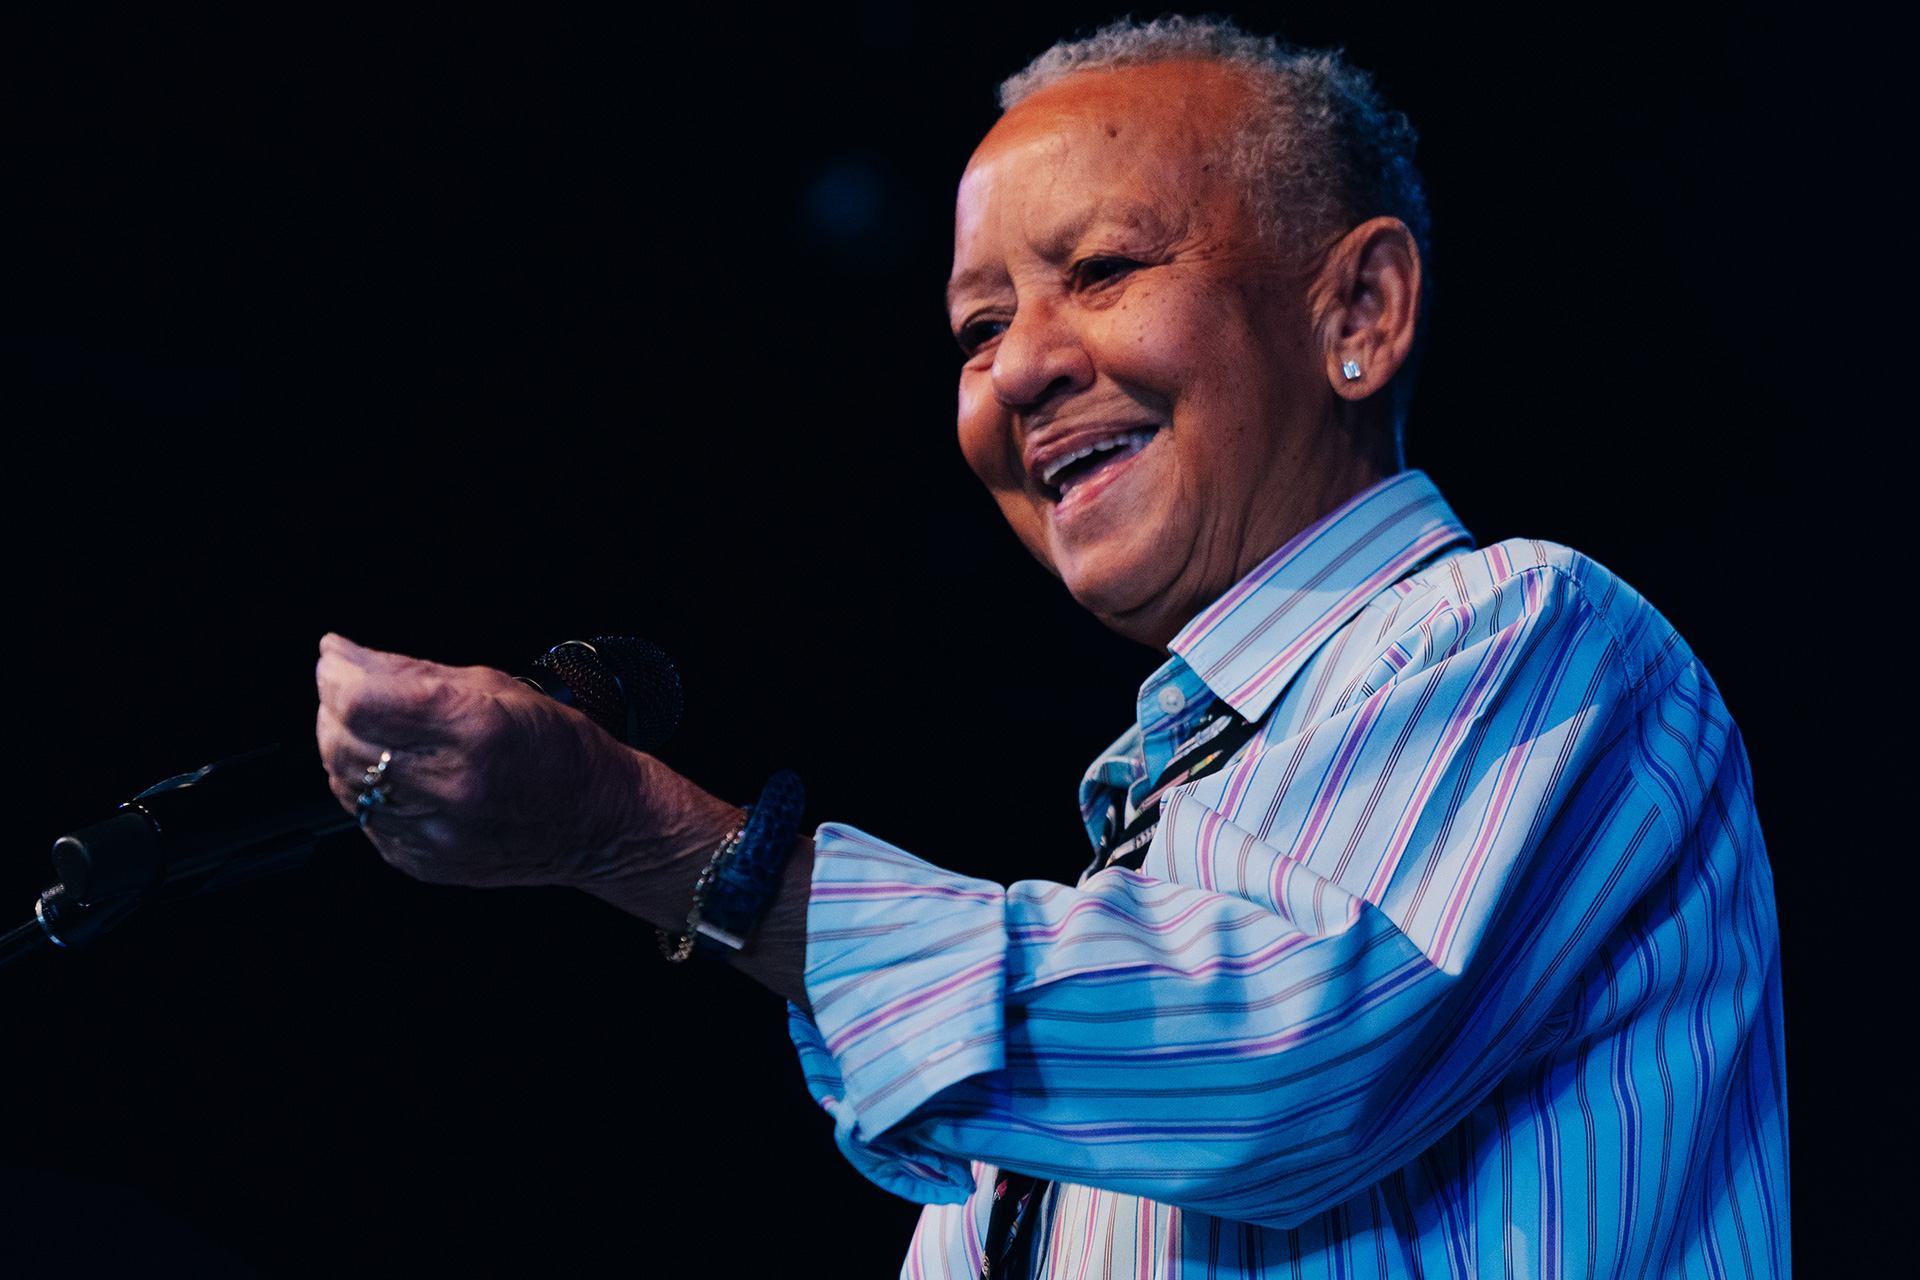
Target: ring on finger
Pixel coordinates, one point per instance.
(373, 789)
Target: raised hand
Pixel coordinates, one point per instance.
(489, 782)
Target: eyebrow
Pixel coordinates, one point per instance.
(972, 277)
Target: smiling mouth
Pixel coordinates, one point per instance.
(1064, 473)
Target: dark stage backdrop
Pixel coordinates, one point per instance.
(469, 331)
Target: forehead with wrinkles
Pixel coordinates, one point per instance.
(1145, 147)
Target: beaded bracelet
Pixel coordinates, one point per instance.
(678, 949)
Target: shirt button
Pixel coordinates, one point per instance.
(1172, 701)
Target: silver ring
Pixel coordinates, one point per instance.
(373, 789)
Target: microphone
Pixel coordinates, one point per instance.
(261, 812)
(625, 685)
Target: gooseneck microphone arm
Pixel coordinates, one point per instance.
(251, 815)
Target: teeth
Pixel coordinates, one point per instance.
(1133, 441)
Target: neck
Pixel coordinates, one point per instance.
(1294, 502)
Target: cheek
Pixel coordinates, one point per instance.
(986, 434)
(988, 445)
(1161, 343)
(1198, 355)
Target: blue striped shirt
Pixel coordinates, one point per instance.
(1466, 966)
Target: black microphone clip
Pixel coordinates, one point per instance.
(226, 823)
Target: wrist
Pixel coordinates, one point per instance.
(667, 831)
(652, 872)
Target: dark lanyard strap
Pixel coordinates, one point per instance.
(1016, 1199)
(1017, 1196)
(1128, 847)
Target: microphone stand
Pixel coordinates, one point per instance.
(17, 942)
(224, 824)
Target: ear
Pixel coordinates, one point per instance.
(1366, 300)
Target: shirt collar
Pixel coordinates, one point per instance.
(1248, 644)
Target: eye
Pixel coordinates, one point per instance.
(976, 334)
(1091, 272)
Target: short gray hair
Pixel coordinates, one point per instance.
(1325, 155)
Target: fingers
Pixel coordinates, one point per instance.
(361, 656)
(487, 780)
(417, 780)
(344, 755)
(399, 701)
(426, 825)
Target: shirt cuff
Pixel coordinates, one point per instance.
(906, 972)
(920, 1176)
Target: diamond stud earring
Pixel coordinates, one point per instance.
(1350, 369)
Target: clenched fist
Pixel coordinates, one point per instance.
(492, 783)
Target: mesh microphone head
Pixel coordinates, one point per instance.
(625, 685)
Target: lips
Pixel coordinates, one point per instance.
(1067, 463)
(1062, 472)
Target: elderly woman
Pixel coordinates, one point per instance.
(1429, 929)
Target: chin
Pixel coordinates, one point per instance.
(1115, 583)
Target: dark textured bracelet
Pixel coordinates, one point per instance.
(746, 881)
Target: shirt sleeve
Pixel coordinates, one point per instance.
(1331, 953)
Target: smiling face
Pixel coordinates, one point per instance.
(1146, 389)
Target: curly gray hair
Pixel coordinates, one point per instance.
(1324, 155)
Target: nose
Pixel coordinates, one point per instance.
(1040, 358)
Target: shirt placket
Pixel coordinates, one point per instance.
(1170, 702)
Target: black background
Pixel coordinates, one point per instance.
(463, 331)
